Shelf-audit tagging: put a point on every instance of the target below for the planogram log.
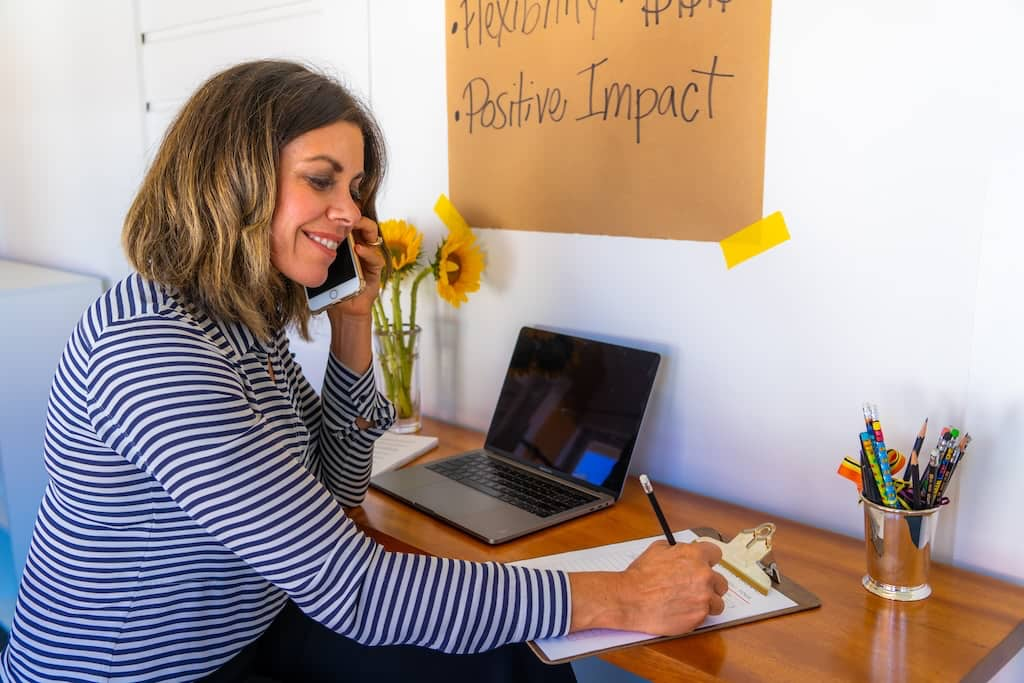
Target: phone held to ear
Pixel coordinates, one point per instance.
(344, 279)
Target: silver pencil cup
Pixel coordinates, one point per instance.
(899, 546)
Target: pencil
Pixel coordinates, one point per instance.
(915, 475)
(869, 453)
(916, 450)
(869, 489)
(960, 452)
(874, 428)
(645, 484)
(944, 460)
(915, 480)
(933, 466)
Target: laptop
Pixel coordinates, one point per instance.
(558, 446)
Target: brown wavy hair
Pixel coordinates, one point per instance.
(201, 220)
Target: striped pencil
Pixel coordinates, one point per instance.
(881, 453)
(958, 456)
(945, 460)
(877, 485)
(933, 466)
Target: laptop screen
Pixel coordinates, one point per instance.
(573, 406)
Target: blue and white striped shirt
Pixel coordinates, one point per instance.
(191, 494)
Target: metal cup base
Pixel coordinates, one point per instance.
(901, 593)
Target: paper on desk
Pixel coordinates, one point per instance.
(741, 601)
(391, 451)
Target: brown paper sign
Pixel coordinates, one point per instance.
(643, 118)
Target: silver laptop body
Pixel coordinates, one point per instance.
(558, 446)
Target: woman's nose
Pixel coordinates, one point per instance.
(345, 209)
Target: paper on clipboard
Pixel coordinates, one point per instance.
(742, 603)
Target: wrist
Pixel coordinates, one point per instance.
(338, 315)
(598, 601)
(350, 340)
(343, 324)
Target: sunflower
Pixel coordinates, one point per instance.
(403, 242)
(457, 267)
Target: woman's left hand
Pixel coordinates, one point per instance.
(371, 258)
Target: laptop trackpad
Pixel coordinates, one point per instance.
(449, 500)
(475, 511)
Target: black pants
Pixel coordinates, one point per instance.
(297, 649)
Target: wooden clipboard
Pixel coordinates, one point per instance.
(803, 598)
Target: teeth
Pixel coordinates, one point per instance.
(325, 242)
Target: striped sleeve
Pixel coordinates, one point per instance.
(346, 451)
(343, 458)
(174, 406)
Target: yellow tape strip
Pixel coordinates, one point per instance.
(752, 240)
(449, 215)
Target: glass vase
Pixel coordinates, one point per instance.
(397, 370)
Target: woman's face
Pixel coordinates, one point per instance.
(317, 200)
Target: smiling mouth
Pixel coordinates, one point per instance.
(324, 242)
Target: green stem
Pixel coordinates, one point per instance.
(410, 342)
(412, 296)
(394, 353)
(380, 321)
(396, 344)
(406, 364)
(386, 353)
(400, 361)
(396, 305)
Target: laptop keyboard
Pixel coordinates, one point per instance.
(511, 484)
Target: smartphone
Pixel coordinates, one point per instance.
(344, 279)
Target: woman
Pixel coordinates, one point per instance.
(194, 524)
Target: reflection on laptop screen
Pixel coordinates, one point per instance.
(573, 406)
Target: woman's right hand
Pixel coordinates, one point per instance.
(674, 587)
(667, 590)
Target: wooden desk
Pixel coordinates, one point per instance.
(967, 630)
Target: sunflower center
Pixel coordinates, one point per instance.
(454, 268)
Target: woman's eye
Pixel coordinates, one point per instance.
(357, 192)
(321, 183)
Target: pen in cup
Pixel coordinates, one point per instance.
(645, 484)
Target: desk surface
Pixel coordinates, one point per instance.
(968, 629)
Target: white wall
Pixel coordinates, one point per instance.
(894, 151)
(186, 42)
(71, 141)
(995, 398)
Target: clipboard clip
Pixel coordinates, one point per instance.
(745, 554)
(772, 570)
